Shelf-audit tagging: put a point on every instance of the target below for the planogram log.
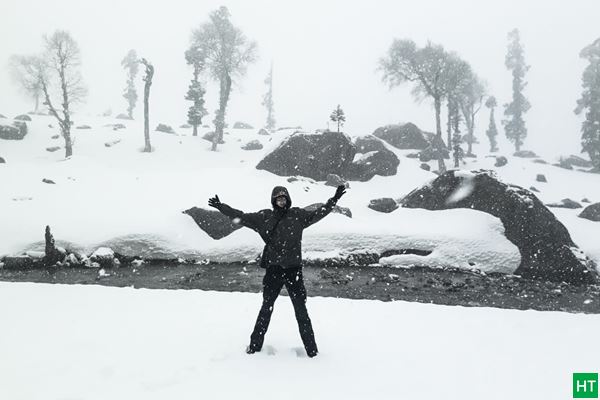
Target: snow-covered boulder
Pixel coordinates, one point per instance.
(525, 154)
(591, 212)
(215, 224)
(52, 149)
(384, 204)
(547, 250)
(425, 167)
(164, 128)
(252, 145)
(407, 136)
(565, 203)
(379, 162)
(185, 126)
(104, 256)
(335, 180)
(314, 156)
(16, 131)
(263, 132)
(83, 127)
(540, 161)
(23, 117)
(210, 135)
(242, 125)
(365, 144)
(541, 178)
(123, 116)
(576, 161)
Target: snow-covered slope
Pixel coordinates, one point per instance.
(92, 342)
(132, 201)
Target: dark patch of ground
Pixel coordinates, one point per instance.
(420, 284)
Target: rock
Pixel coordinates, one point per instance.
(425, 166)
(123, 116)
(591, 212)
(112, 143)
(253, 145)
(563, 164)
(576, 161)
(2, 160)
(407, 136)
(55, 137)
(525, 154)
(336, 209)
(412, 155)
(215, 224)
(83, 127)
(49, 181)
(431, 154)
(501, 161)
(384, 205)
(540, 161)
(335, 180)
(533, 189)
(18, 262)
(16, 131)
(185, 126)
(209, 136)
(547, 250)
(263, 131)
(164, 128)
(314, 156)
(541, 178)
(23, 117)
(52, 149)
(366, 166)
(565, 203)
(104, 256)
(585, 200)
(366, 144)
(2, 116)
(242, 125)
(115, 127)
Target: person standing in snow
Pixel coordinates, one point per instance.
(281, 230)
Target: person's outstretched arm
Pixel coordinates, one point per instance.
(249, 220)
(312, 217)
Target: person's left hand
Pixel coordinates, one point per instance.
(339, 192)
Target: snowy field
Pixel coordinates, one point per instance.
(132, 201)
(92, 342)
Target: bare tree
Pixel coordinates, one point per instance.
(428, 68)
(60, 64)
(147, 83)
(228, 53)
(24, 71)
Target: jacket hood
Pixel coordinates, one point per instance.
(280, 191)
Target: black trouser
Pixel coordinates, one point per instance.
(275, 278)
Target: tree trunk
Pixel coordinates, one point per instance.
(338, 126)
(37, 103)
(439, 146)
(195, 130)
(449, 126)
(147, 84)
(220, 117)
(471, 127)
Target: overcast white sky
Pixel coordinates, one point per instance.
(325, 52)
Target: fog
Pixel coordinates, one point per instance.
(323, 52)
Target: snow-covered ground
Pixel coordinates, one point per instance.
(92, 342)
(132, 201)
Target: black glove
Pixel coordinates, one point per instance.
(339, 192)
(215, 202)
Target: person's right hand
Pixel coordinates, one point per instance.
(215, 202)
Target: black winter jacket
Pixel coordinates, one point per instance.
(280, 229)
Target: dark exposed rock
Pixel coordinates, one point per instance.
(263, 132)
(425, 166)
(540, 161)
(501, 161)
(541, 178)
(112, 143)
(123, 116)
(335, 180)
(336, 209)
(412, 155)
(547, 250)
(18, 262)
(2, 160)
(253, 145)
(525, 154)
(565, 203)
(52, 149)
(534, 189)
(215, 224)
(83, 127)
(407, 136)
(585, 200)
(16, 131)
(365, 144)
(164, 128)
(242, 125)
(382, 162)
(54, 136)
(23, 117)
(314, 156)
(591, 212)
(384, 205)
(50, 181)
